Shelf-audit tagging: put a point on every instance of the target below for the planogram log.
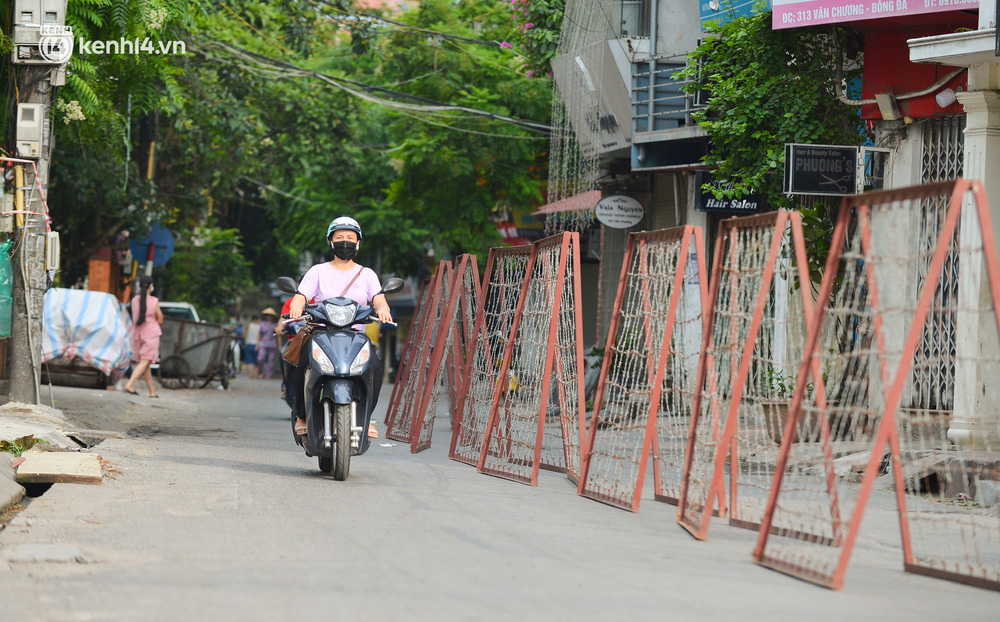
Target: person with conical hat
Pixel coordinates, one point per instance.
(267, 346)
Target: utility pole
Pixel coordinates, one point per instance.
(42, 47)
(25, 351)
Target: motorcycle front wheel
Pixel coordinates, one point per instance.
(342, 455)
(340, 462)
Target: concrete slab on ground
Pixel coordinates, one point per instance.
(59, 467)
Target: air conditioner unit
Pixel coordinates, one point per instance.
(52, 250)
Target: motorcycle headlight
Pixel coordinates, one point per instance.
(322, 360)
(361, 359)
(341, 315)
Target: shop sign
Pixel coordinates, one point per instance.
(821, 169)
(706, 202)
(797, 13)
(619, 211)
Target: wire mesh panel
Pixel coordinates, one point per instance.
(866, 336)
(408, 351)
(505, 272)
(467, 273)
(402, 426)
(760, 298)
(647, 375)
(524, 433)
(565, 416)
(441, 352)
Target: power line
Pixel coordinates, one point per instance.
(468, 131)
(279, 191)
(443, 35)
(281, 68)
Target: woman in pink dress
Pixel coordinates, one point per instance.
(146, 318)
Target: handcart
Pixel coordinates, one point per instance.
(192, 352)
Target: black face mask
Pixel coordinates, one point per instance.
(344, 250)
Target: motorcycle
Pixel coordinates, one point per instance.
(338, 381)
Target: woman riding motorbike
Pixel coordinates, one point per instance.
(340, 277)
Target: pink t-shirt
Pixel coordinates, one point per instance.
(323, 281)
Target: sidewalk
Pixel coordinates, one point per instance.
(76, 411)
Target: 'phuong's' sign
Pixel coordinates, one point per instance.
(821, 169)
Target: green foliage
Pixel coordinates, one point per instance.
(208, 270)
(454, 175)
(817, 228)
(97, 188)
(768, 87)
(6, 43)
(777, 384)
(536, 28)
(20, 445)
(251, 163)
(106, 81)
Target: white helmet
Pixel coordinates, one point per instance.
(344, 222)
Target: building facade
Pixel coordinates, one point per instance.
(928, 95)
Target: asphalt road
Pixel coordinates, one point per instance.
(217, 515)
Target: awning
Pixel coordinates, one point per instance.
(575, 203)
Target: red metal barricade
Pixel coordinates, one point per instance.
(447, 348)
(505, 270)
(907, 338)
(646, 386)
(404, 416)
(407, 355)
(536, 418)
(760, 300)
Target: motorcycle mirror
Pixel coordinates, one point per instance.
(392, 285)
(286, 284)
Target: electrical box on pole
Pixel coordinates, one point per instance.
(30, 124)
(52, 250)
(40, 35)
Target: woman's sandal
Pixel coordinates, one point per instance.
(302, 429)
(131, 392)
(372, 432)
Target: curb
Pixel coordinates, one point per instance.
(10, 491)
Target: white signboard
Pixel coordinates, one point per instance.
(619, 211)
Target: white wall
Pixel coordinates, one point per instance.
(678, 27)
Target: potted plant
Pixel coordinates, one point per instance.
(779, 394)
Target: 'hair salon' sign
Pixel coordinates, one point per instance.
(707, 202)
(619, 211)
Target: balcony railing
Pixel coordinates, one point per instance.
(658, 101)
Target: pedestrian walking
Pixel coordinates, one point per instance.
(146, 318)
(267, 346)
(251, 339)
